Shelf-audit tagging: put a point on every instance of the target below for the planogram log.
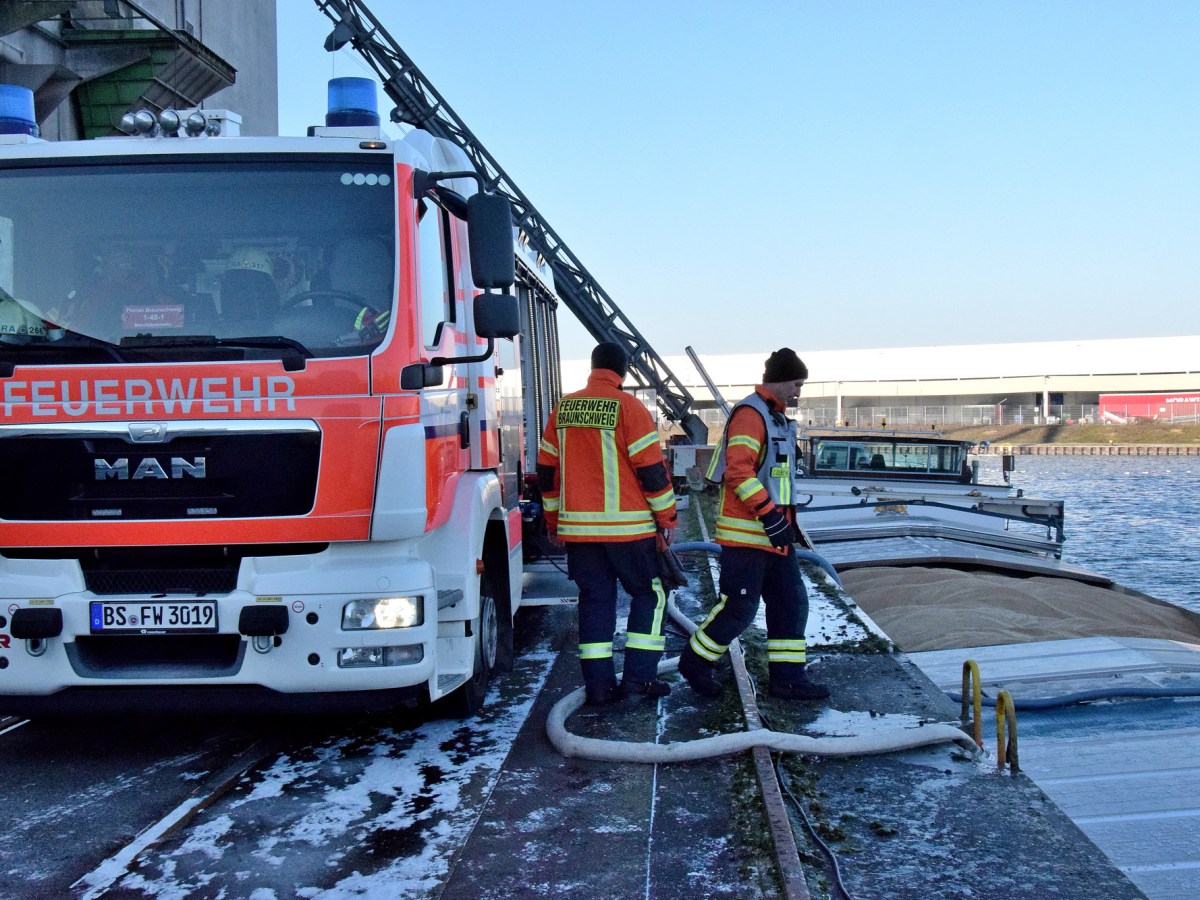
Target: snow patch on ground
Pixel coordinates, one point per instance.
(388, 781)
(858, 723)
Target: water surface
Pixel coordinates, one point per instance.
(1131, 518)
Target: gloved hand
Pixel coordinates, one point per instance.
(778, 528)
(663, 538)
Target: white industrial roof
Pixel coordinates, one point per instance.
(1117, 356)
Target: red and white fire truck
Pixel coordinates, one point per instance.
(261, 415)
(266, 404)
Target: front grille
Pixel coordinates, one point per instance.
(157, 656)
(67, 477)
(157, 581)
(162, 570)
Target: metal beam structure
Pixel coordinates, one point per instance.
(418, 103)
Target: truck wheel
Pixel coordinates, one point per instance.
(498, 582)
(467, 700)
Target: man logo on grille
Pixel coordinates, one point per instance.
(150, 467)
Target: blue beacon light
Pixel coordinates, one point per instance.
(16, 111)
(351, 102)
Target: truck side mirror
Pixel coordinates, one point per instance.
(497, 315)
(420, 375)
(489, 223)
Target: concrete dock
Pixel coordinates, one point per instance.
(927, 823)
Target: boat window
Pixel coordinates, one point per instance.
(894, 457)
(147, 256)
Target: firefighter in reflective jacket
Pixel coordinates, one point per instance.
(607, 495)
(756, 532)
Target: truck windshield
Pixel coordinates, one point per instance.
(229, 258)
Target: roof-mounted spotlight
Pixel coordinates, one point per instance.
(127, 124)
(195, 124)
(168, 121)
(212, 128)
(144, 122)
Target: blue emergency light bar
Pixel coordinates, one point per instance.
(351, 102)
(16, 111)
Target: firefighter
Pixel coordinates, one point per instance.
(756, 531)
(607, 496)
(249, 296)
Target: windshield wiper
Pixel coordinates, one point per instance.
(293, 358)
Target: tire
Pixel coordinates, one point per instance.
(468, 699)
(497, 586)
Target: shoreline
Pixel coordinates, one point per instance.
(1090, 450)
(1137, 439)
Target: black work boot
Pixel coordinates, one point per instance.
(798, 689)
(698, 673)
(605, 696)
(651, 689)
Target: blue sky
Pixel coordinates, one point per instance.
(831, 175)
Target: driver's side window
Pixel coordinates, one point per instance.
(434, 249)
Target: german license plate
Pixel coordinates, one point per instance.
(153, 617)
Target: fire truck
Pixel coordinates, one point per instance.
(266, 405)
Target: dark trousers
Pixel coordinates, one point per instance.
(747, 575)
(596, 568)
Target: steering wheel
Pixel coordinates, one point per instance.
(356, 307)
(328, 298)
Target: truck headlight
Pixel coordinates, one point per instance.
(377, 657)
(384, 612)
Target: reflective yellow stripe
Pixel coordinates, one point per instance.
(743, 440)
(779, 657)
(748, 488)
(596, 651)
(657, 625)
(642, 443)
(700, 642)
(741, 531)
(787, 644)
(711, 474)
(787, 650)
(712, 613)
(618, 516)
(612, 474)
(562, 467)
(635, 641)
(549, 504)
(548, 447)
(706, 647)
(602, 531)
(741, 537)
(662, 501)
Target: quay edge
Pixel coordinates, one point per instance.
(1090, 450)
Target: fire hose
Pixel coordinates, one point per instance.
(570, 744)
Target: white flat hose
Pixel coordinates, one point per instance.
(570, 744)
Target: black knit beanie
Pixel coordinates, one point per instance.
(784, 365)
(610, 355)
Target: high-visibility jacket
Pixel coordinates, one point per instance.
(756, 465)
(600, 466)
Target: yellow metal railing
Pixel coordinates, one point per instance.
(1006, 749)
(971, 687)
